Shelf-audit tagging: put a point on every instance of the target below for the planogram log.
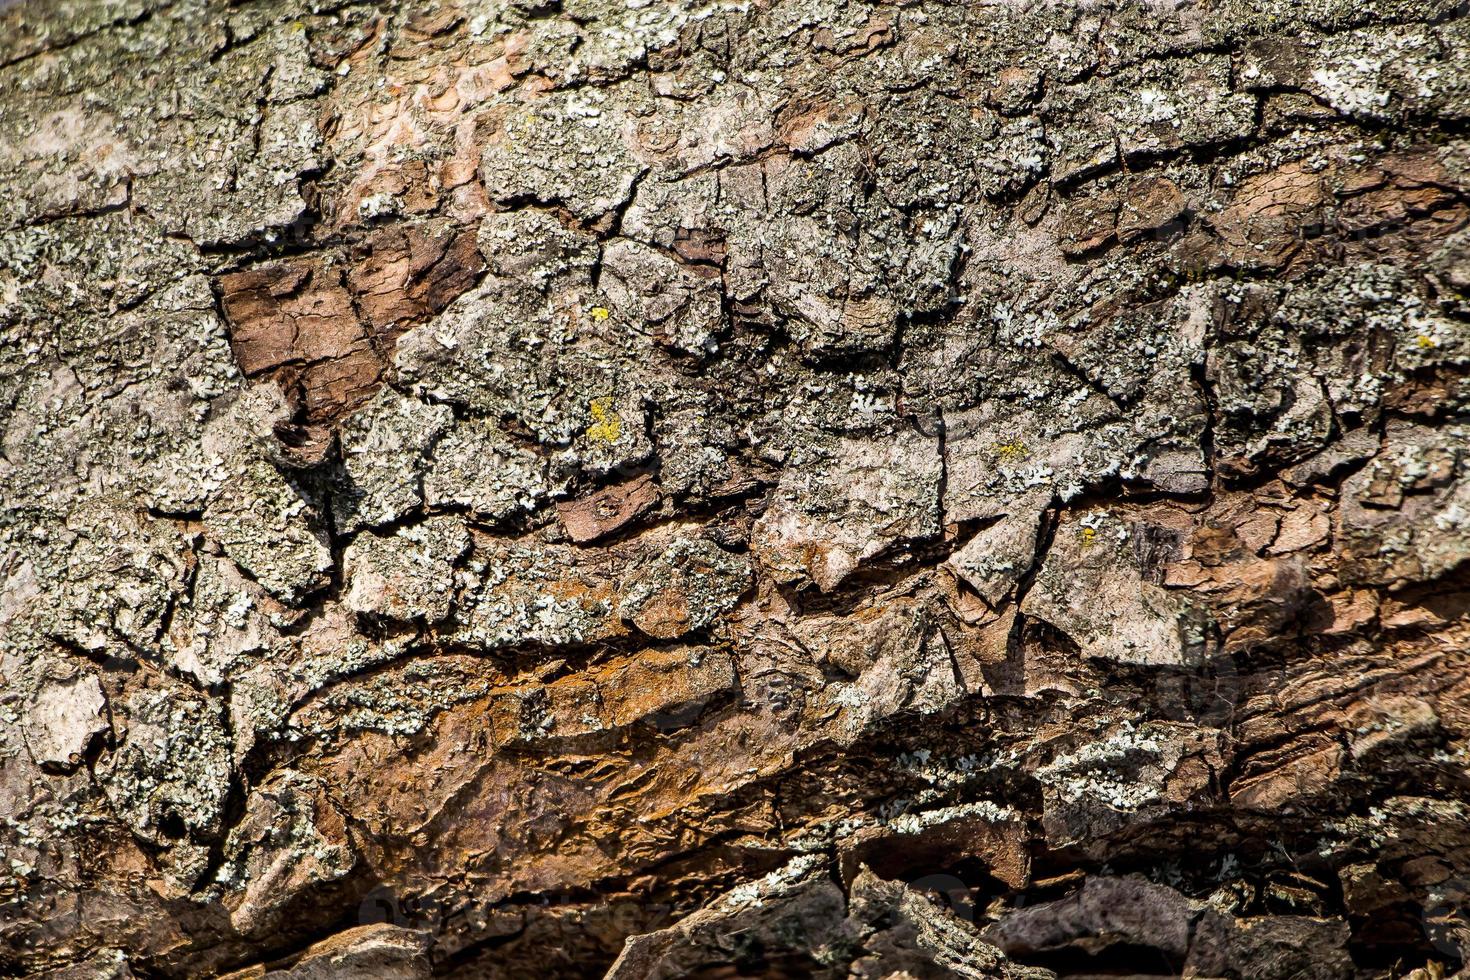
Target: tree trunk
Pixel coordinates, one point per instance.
(695, 488)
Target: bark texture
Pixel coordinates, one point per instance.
(697, 488)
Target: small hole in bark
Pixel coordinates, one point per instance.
(171, 826)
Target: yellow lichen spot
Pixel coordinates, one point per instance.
(524, 122)
(600, 312)
(1425, 342)
(607, 424)
(1089, 536)
(1010, 450)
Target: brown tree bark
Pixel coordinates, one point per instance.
(695, 488)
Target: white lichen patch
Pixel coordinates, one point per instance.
(842, 503)
(62, 719)
(171, 772)
(1091, 587)
(408, 575)
(384, 448)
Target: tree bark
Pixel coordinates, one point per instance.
(709, 489)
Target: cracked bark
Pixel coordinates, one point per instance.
(696, 489)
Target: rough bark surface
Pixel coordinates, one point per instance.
(697, 488)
